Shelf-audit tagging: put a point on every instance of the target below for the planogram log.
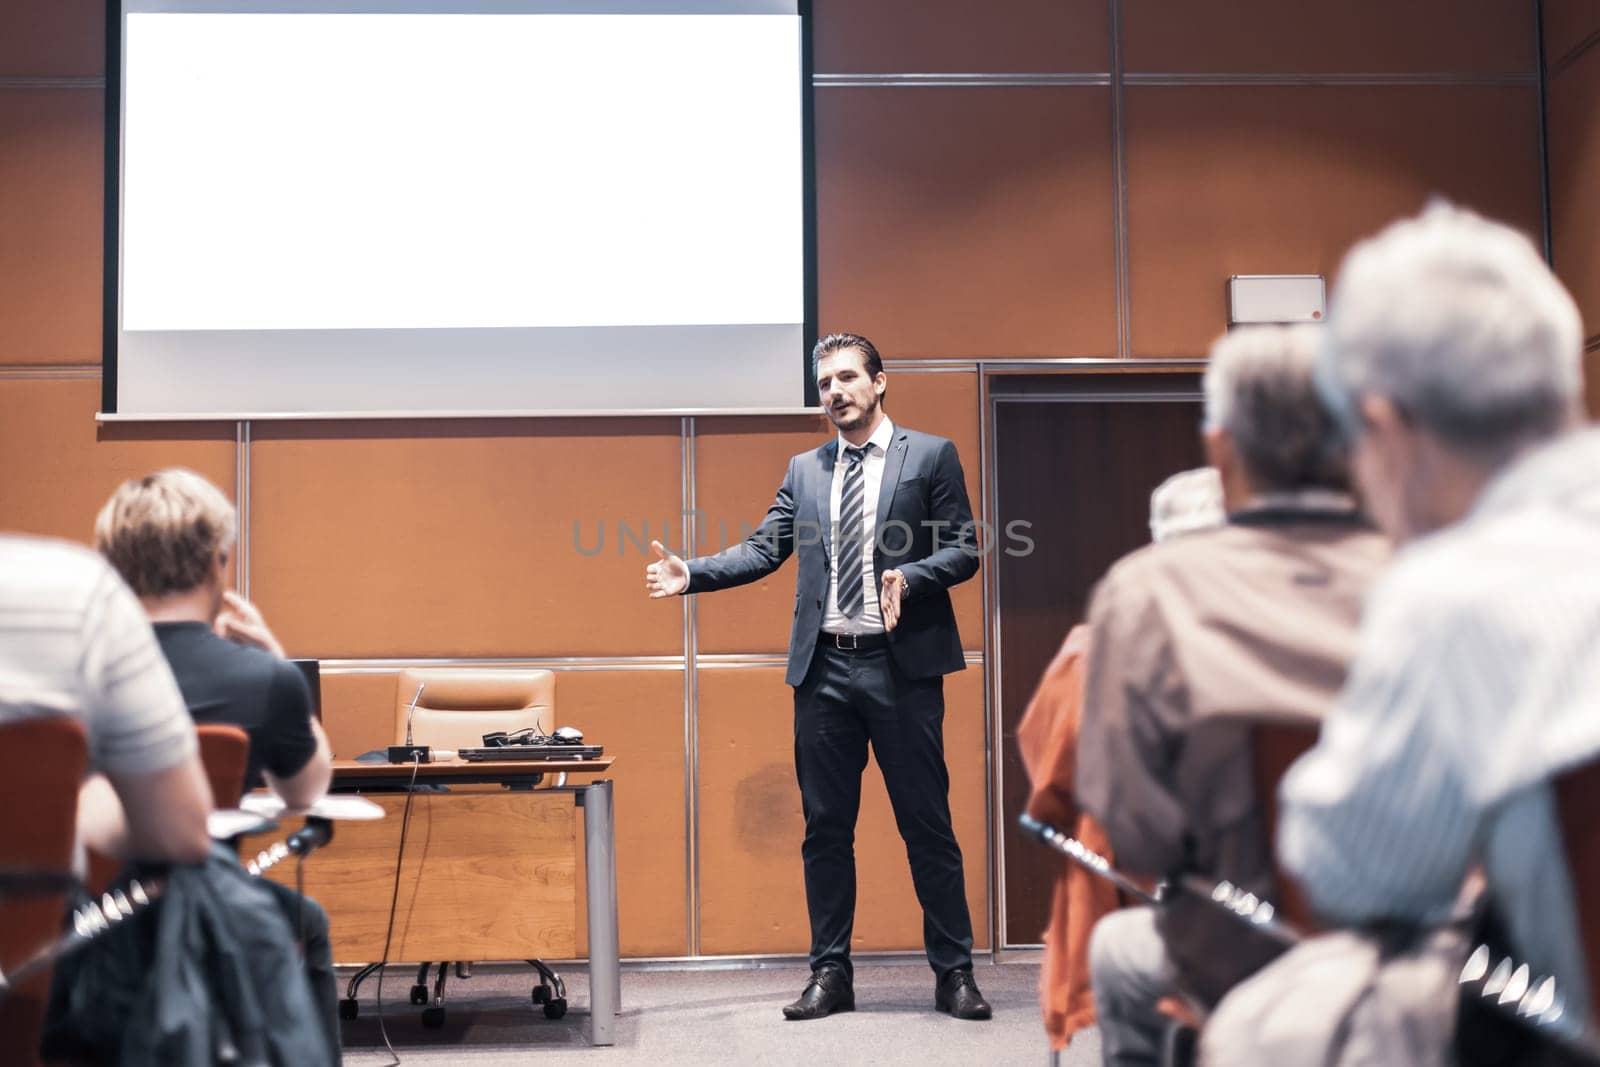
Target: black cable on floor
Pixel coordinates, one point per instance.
(394, 902)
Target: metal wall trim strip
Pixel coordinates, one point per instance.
(1122, 396)
(352, 416)
(691, 705)
(994, 843)
(712, 661)
(951, 80)
(1119, 188)
(356, 665)
(734, 660)
(1189, 78)
(988, 420)
(932, 366)
(1174, 79)
(31, 81)
(45, 371)
(241, 563)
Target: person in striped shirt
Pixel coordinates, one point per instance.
(1453, 361)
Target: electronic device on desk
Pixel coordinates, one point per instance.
(409, 753)
(312, 670)
(565, 744)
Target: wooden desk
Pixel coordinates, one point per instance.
(489, 873)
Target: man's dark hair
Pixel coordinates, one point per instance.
(838, 342)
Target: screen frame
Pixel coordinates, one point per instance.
(111, 273)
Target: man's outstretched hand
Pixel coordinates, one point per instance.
(668, 575)
(894, 587)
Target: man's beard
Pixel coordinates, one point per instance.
(862, 419)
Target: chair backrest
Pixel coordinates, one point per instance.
(42, 764)
(1274, 747)
(225, 755)
(1577, 799)
(458, 707)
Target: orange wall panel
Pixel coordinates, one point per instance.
(463, 538)
(51, 142)
(61, 38)
(1354, 36)
(967, 222)
(638, 716)
(739, 464)
(1574, 111)
(752, 896)
(357, 708)
(59, 467)
(917, 36)
(1567, 24)
(1226, 181)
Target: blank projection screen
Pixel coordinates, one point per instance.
(493, 208)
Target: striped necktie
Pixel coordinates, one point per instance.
(848, 561)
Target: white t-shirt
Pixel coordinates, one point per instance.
(74, 641)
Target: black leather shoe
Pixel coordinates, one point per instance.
(827, 992)
(958, 995)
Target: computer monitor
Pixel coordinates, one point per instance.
(312, 669)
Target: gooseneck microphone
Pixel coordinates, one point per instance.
(409, 753)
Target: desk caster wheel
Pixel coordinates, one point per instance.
(349, 1008)
(433, 1018)
(541, 994)
(555, 1009)
(419, 995)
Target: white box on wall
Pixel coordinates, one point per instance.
(1257, 298)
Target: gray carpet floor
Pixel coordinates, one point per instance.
(712, 1016)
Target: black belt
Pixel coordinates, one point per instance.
(854, 642)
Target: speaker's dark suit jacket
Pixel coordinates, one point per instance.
(924, 530)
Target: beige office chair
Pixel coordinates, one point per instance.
(456, 708)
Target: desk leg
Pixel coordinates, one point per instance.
(605, 971)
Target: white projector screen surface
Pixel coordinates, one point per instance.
(523, 208)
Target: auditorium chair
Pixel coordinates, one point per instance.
(225, 755)
(1274, 746)
(456, 708)
(42, 764)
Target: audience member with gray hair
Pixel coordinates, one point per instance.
(1453, 361)
(1195, 637)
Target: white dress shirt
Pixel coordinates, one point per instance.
(870, 621)
(1477, 681)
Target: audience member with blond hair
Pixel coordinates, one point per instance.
(171, 535)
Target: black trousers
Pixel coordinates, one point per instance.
(847, 701)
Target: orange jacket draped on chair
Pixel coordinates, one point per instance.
(1048, 739)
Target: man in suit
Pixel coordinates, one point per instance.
(883, 528)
